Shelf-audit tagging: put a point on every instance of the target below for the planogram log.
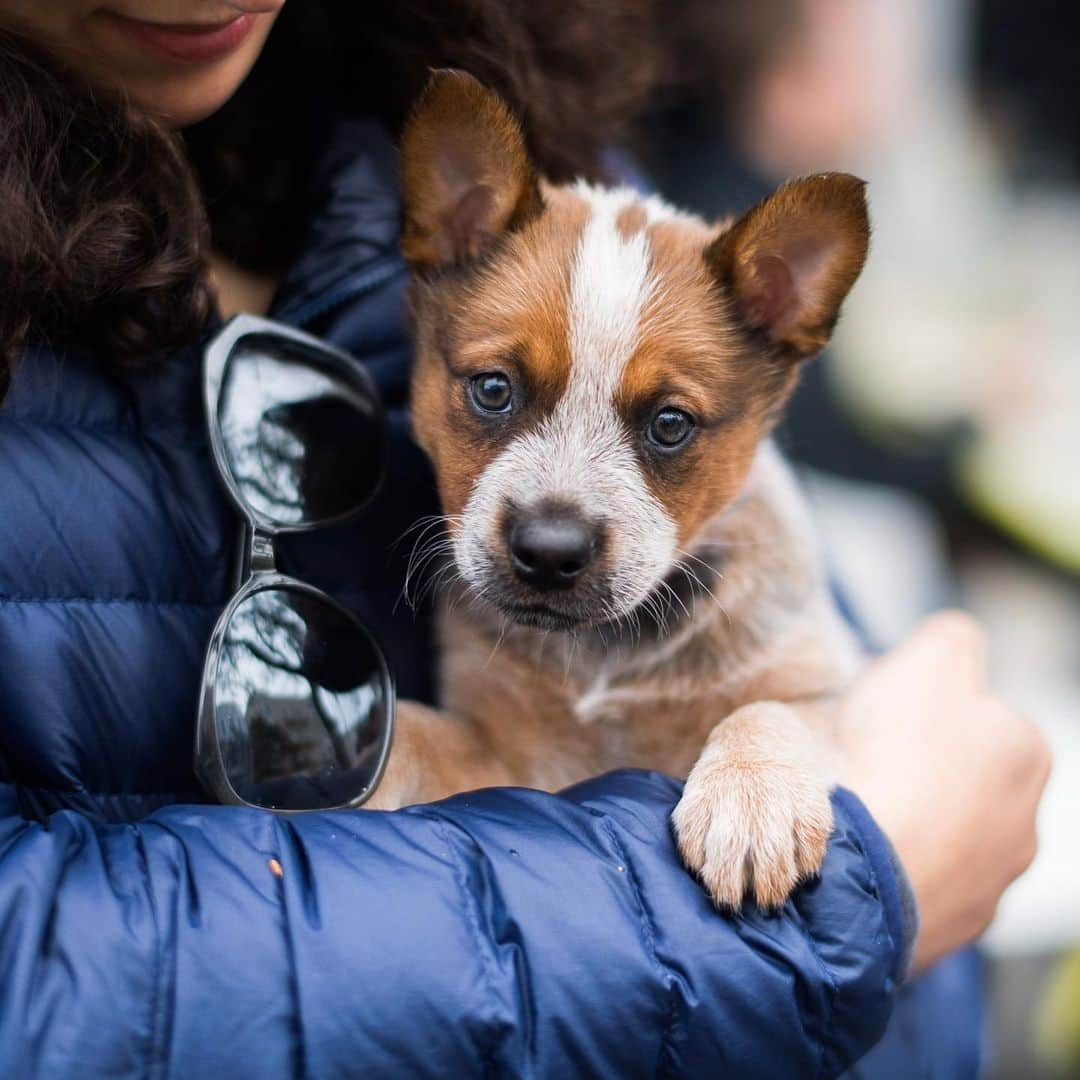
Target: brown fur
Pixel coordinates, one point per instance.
(484, 183)
(694, 354)
(786, 228)
(741, 651)
(524, 707)
(512, 315)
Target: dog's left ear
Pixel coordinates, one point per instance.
(789, 262)
(466, 175)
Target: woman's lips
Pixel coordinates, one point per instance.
(187, 43)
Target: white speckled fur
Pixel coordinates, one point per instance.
(731, 681)
(580, 454)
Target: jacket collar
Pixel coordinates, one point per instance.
(354, 220)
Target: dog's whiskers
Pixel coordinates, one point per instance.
(696, 580)
(504, 622)
(432, 544)
(570, 656)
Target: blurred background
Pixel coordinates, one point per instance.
(941, 434)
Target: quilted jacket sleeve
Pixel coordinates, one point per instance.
(507, 932)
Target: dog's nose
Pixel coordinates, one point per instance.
(551, 550)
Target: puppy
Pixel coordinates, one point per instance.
(631, 577)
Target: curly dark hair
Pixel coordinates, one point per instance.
(101, 225)
(105, 215)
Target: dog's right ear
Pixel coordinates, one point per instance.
(466, 175)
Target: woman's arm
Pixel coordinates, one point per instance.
(513, 930)
(508, 931)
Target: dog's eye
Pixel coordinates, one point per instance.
(491, 392)
(670, 428)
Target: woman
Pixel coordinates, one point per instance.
(143, 932)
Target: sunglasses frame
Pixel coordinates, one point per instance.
(256, 569)
(334, 361)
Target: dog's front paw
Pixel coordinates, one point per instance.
(755, 816)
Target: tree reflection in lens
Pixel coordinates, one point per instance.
(300, 702)
(302, 444)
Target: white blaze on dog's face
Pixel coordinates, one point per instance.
(572, 482)
(594, 370)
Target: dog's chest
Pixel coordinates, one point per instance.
(561, 712)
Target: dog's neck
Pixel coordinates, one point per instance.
(748, 571)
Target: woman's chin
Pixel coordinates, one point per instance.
(181, 90)
(184, 99)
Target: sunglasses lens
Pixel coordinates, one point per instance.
(303, 436)
(302, 703)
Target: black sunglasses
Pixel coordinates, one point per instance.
(297, 702)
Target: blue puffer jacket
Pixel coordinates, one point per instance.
(143, 933)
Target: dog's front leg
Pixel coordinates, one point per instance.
(435, 754)
(755, 816)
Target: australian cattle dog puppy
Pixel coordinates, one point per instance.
(630, 575)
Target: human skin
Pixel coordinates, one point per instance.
(180, 60)
(109, 44)
(952, 775)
